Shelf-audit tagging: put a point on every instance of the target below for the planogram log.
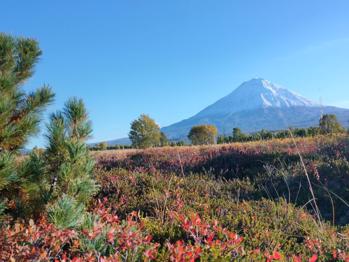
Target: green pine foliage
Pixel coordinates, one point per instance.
(7, 170)
(33, 186)
(64, 171)
(67, 155)
(59, 177)
(65, 167)
(7, 177)
(66, 213)
(20, 112)
(70, 166)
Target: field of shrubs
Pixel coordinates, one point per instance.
(279, 200)
(226, 158)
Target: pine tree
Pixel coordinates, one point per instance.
(69, 163)
(62, 176)
(19, 111)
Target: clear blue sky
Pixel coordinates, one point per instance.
(170, 59)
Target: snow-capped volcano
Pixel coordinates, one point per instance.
(258, 104)
(254, 94)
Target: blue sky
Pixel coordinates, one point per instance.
(170, 59)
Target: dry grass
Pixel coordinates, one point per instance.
(305, 145)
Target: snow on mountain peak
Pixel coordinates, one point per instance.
(257, 93)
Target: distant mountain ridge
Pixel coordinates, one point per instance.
(116, 142)
(258, 104)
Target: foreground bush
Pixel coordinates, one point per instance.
(265, 226)
(104, 237)
(101, 237)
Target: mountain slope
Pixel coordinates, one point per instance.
(255, 105)
(253, 94)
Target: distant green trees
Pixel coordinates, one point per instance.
(146, 133)
(164, 140)
(238, 135)
(102, 146)
(177, 143)
(203, 134)
(329, 124)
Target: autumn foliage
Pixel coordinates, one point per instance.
(152, 213)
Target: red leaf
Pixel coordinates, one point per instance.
(313, 258)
